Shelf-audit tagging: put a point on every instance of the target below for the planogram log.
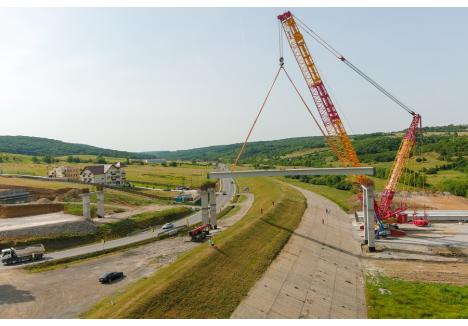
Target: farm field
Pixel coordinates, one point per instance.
(168, 177)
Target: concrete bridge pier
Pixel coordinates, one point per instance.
(86, 197)
(205, 208)
(100, 204)
(212, 199)
(368, 208)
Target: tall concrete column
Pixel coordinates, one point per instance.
(100, 203)
(85, 196)
(205, 208)
(369, 203)
(364, 211)
(212, 198)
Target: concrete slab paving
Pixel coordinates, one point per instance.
(318, 273)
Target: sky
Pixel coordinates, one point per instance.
(141, 79)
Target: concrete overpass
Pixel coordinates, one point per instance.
(365, 170)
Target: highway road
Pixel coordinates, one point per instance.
(227, 186)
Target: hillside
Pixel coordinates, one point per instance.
(43, 146)
(375, 147)
(260, 149)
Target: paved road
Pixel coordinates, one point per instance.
(316, 275)
(227, 186)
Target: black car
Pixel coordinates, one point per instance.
(110, 277)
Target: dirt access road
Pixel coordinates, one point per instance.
(318, 274)
(66, 292)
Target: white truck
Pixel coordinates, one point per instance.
(22, 254)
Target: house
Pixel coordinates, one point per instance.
(65, 172)
(107, 174)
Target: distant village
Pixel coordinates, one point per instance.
(106, 174)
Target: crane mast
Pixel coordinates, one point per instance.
(337, 138)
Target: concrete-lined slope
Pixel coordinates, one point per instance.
(316, 275)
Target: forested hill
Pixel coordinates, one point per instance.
(44, 146)
(258, 149)
(378, 147)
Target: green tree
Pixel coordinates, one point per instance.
(35, 159)
(48, 159)
(101, 160)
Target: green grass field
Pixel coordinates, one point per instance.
(209, 282)
(343, 198)
(395, 298)
(169, 177)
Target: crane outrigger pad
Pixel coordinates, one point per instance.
(362, 170)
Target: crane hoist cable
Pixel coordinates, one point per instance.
(339, 56)
(256, 118)
(281, 68)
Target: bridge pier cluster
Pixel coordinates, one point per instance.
(208, 203)
(86, 198)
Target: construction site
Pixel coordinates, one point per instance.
(278, 241)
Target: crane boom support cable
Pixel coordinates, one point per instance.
(305, 104)
(256, 118)
(339, 56)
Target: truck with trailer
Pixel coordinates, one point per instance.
(15, 255)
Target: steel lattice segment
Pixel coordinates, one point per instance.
(338, 139)
(403, 153)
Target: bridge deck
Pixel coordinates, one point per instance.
(290, 172)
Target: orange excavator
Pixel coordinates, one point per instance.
(335, 133)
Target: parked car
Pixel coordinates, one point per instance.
(167, 226)
(110, 277)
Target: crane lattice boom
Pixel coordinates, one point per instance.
(401, 159)
(337, 138)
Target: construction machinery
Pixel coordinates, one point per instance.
(22, 254)
(335, 133)
(199, 234)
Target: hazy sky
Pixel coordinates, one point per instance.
(157, 79)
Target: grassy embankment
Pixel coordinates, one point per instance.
(343, 198)
(106, 231)
(209, 282)
(394, 298)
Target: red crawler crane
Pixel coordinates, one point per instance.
(336, 136)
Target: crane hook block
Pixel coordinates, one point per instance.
(281, 60)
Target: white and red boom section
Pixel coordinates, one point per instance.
(337, 138)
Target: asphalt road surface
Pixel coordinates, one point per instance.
(227, 186)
